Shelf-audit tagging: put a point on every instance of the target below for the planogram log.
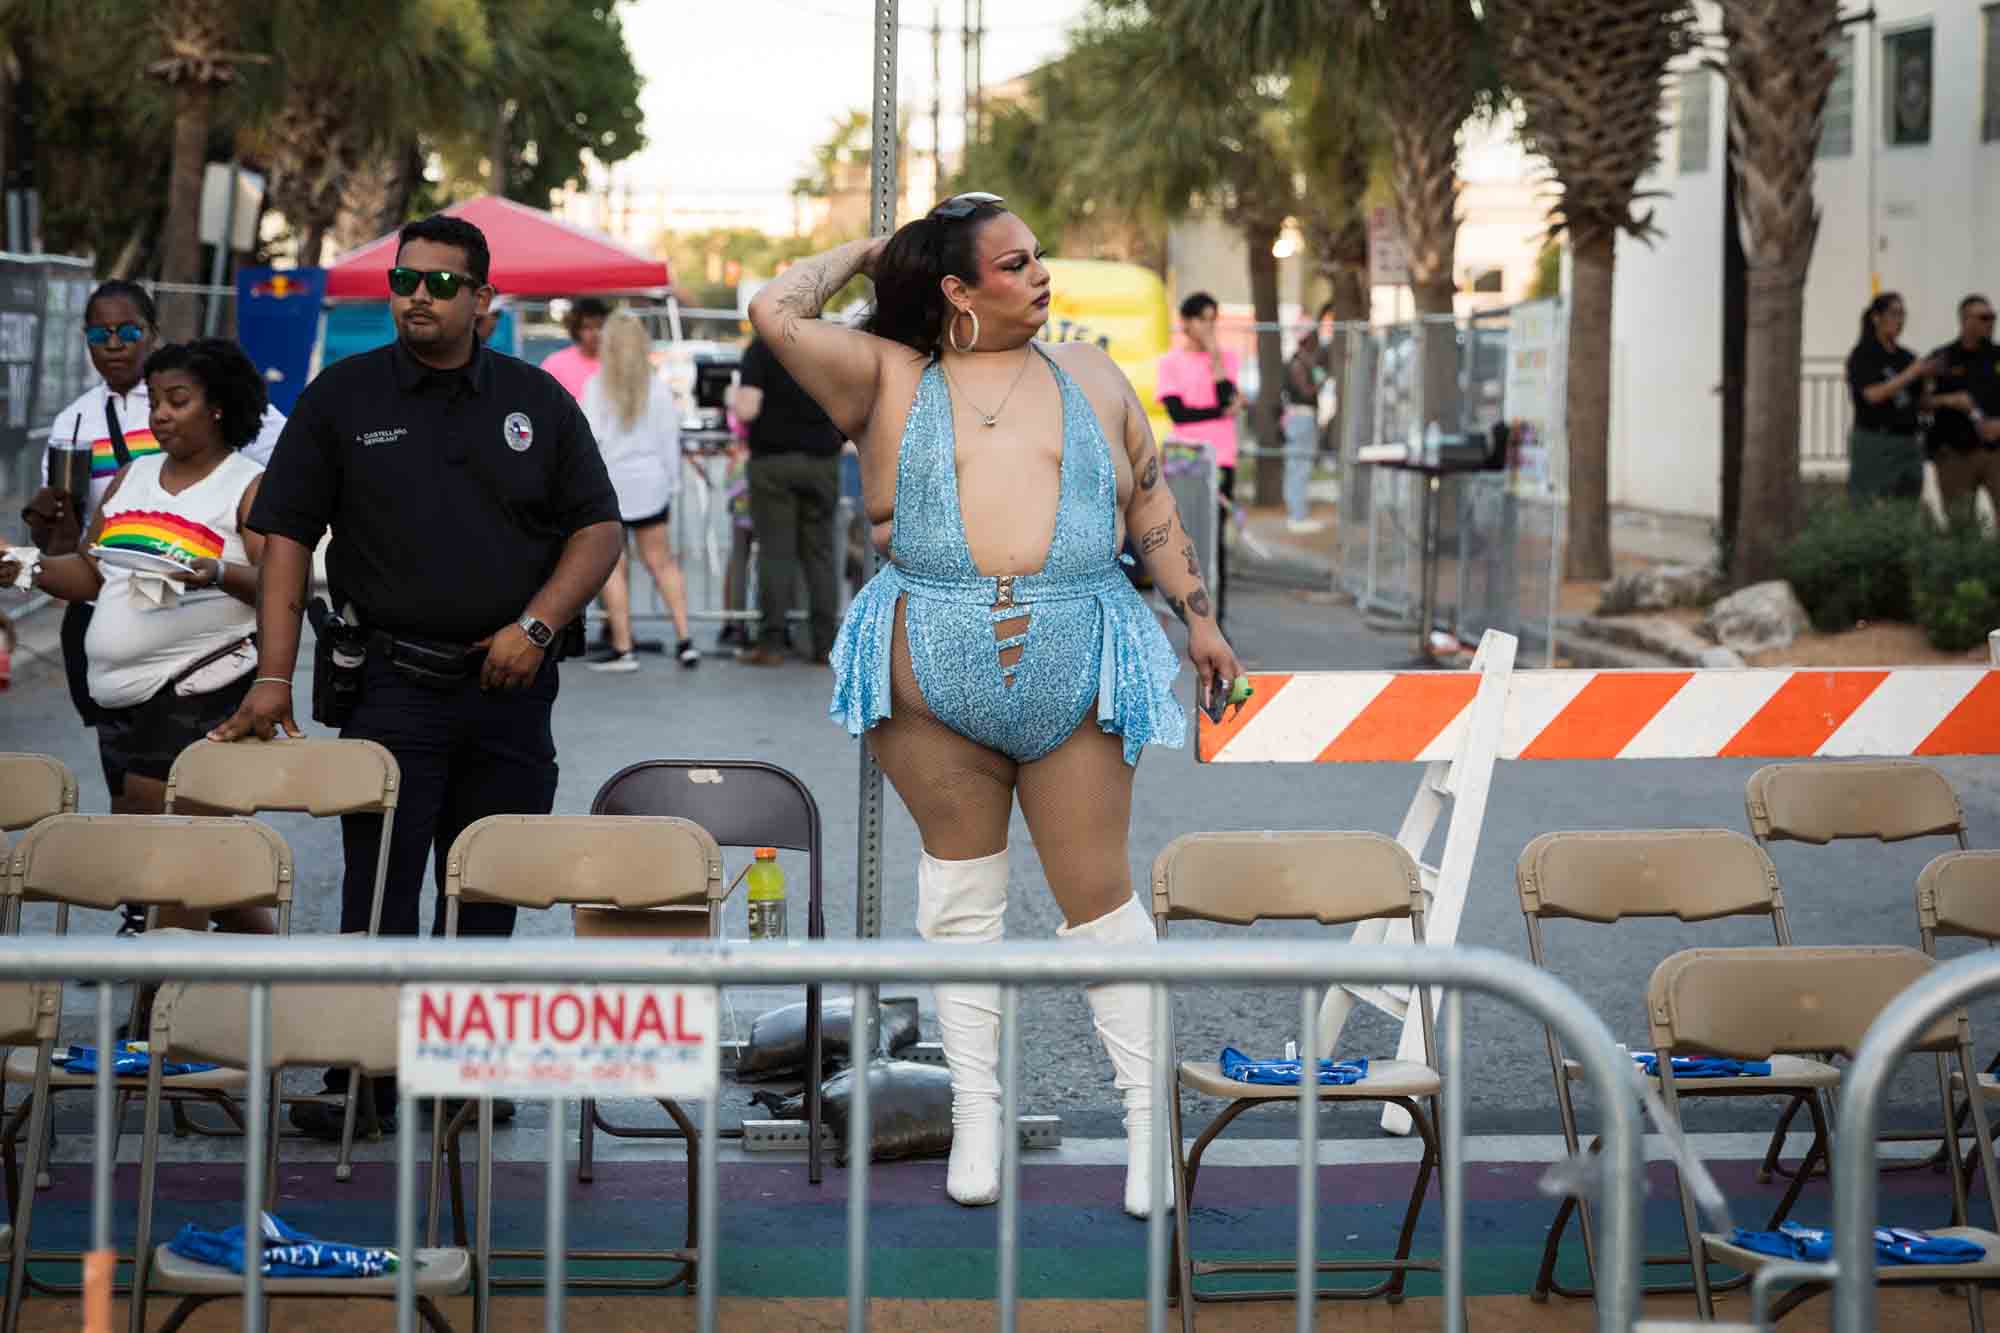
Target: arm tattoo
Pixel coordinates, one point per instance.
(1177, 606)
(1153, 539)
(1197, 601)
(811, 286)
(1149, 477)
(1187, 552)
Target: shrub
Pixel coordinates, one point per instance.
(1955, 584)
(1854, 564)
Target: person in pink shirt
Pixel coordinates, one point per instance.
(1197, 387)
(576, 364)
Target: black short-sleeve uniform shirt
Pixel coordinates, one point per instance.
(450, 492)
(1974, 370)
(791, 421)
(1872, 363)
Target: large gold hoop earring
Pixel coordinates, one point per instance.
(951, 332)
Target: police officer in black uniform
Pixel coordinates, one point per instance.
(1885, 381)
(1965, 409)
(472, 520)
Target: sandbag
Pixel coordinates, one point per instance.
(909, 1109)
(777, 1044)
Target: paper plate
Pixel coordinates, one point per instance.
(140, 562)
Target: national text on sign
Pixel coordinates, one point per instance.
(596, 1018)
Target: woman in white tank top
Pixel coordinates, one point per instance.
(174, 574)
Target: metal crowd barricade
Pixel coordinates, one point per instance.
(867, 965)
(1862, 1091)
(1502, 532)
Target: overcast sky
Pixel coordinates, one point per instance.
(738, 92)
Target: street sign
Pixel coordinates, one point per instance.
(1388, 260)
(559, 1041)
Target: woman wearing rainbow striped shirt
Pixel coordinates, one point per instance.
(119, 332)
(172, 569)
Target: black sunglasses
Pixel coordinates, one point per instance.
(441, 283)
(965, 205)
(97, 335)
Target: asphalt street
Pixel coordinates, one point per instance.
(1841, 894)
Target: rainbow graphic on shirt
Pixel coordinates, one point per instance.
(154, 532)
(104, 460)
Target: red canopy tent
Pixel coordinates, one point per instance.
(534, 255)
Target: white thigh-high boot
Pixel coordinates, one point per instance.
(965, 902)
(1125, 1025)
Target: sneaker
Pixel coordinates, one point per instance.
(625, 661)
(687, 653)
(132, 923)
(603, 655)
(1303, 525)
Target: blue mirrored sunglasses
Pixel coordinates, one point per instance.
(97, 335)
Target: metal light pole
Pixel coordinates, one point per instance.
(881, 222)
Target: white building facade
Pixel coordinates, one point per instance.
(1908, 183)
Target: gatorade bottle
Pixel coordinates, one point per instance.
(767, 897)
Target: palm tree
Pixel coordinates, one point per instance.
(1161, 134)
(1779, 66)
(1426, 64)
(1589, 75)
(355, 77)
(197, 59)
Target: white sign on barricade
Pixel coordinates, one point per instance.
(559, 1041)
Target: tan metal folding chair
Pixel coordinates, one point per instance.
(29, 1014)
(33, 787)
(1334, 879)
(211, 1023)
(1958, 894)
(101, 862)
(1754, 1003)
(1820, 801)
(321, 777)
(1828, 800)
(1692, 875)
(630, 862)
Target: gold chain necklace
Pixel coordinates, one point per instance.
(991, 418)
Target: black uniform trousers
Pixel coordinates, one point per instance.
(465, 753)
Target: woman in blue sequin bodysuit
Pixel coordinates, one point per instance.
(1002, 653)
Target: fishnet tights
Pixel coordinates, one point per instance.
(1077, 799)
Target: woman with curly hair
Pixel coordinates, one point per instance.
(173, 571)
(1002, 653)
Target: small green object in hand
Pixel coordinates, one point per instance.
(1240, 690)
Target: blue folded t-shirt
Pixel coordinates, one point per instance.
(1704, 1066)
(1332, 1073)
(125, 1062)
(1893, 1245)
(287, 1252)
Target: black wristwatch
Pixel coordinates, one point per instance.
(537, 631)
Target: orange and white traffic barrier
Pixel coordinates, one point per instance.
(1459, 723)
(1377, 716)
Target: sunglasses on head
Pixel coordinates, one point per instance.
(965, 205)
(97, 335)
(441, 283)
